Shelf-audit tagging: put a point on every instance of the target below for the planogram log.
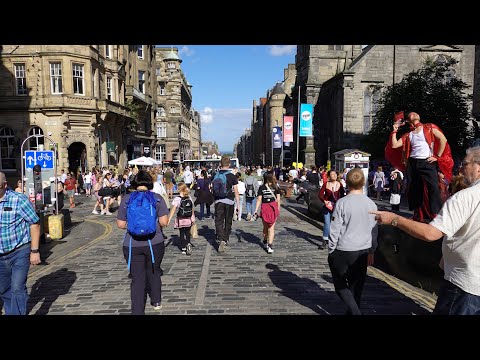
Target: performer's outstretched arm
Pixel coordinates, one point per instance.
(396, 143)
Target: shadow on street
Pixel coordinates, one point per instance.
(48, 288)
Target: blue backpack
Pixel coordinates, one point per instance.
(141, 220)
(142, 215)
(219, 185)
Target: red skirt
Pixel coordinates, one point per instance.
(270, 212)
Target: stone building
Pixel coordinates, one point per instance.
(174, 117)
(341, 82)
(209, 148)
(195, 136)
(80, 96)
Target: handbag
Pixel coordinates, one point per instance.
(194, 231)
(394, 199)
(105, 191)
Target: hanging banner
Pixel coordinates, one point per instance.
(306, 119)
(288, 129)
(277, 137)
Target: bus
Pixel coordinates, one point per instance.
(209, 163)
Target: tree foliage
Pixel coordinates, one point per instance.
(437, 97)
(133, 115)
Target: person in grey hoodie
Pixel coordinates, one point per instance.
(352, 242)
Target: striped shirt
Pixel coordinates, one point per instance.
(16, 216)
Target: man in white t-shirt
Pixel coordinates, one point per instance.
(293, 172)
(459, 221)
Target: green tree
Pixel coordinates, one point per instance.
(436, 96)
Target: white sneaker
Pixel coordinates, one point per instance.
(95, 212)
(269, 250)
(108, 213)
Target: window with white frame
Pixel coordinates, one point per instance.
(78, 79)
(370, 104)
(20, 79)
(108, 51)
(34, 142)
(141, 81)
(7, 149)
(161, 111)
(140, 51)
(158, 71)
(171, 65)
(160, 153)
(162, 130)
(109, 88)
(173, 109)
(335, 47)
(56, 78)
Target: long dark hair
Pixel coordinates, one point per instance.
(269, 178)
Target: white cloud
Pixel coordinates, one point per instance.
(280, 50)
(185, 50)
(206, 115)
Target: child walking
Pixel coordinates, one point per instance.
(185, 217)
(352, 242)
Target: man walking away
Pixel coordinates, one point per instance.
(224, 186)
(19, 247)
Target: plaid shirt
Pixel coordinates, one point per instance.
(16, 216)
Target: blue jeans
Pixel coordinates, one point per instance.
(326, 223)
(250, 203)
(13, 280)
(454, 301)
(202, 210)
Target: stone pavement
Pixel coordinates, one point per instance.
(87, 274)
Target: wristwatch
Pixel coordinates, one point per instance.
(394, 221)
(34, 251)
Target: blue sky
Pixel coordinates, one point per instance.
(226, 79)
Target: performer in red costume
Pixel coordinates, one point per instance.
(420, 150)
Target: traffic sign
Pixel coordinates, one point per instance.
(42, 158)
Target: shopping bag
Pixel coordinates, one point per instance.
(194, 231)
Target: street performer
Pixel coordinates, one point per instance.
(422, 150)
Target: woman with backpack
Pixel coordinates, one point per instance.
(269, 198)
(204, 194)
(251, 191)
(143, 243)
(185, 217)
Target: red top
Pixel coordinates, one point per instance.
(327, 194)
(70, 184)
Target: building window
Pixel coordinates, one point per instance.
(7, 152)
(171, 65)
(162, 130)
(140, 51)
(173, 110)
(335, 47)
(108, 51)
(160, 153)
(370, 104)
(34, 142)
(158, 71)
(20, 79)
(56, 78)
(451, 73)
(161, 89)
(141, 81)
(109, 88)
(78, 79)
(161, 111)
(94, 83)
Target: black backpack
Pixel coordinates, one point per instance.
(185, 210)
(249, 190)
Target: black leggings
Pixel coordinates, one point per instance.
(184, 236)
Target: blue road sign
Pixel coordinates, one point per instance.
(42, 158)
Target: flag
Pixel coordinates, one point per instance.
(288, 129)
(306, 119)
